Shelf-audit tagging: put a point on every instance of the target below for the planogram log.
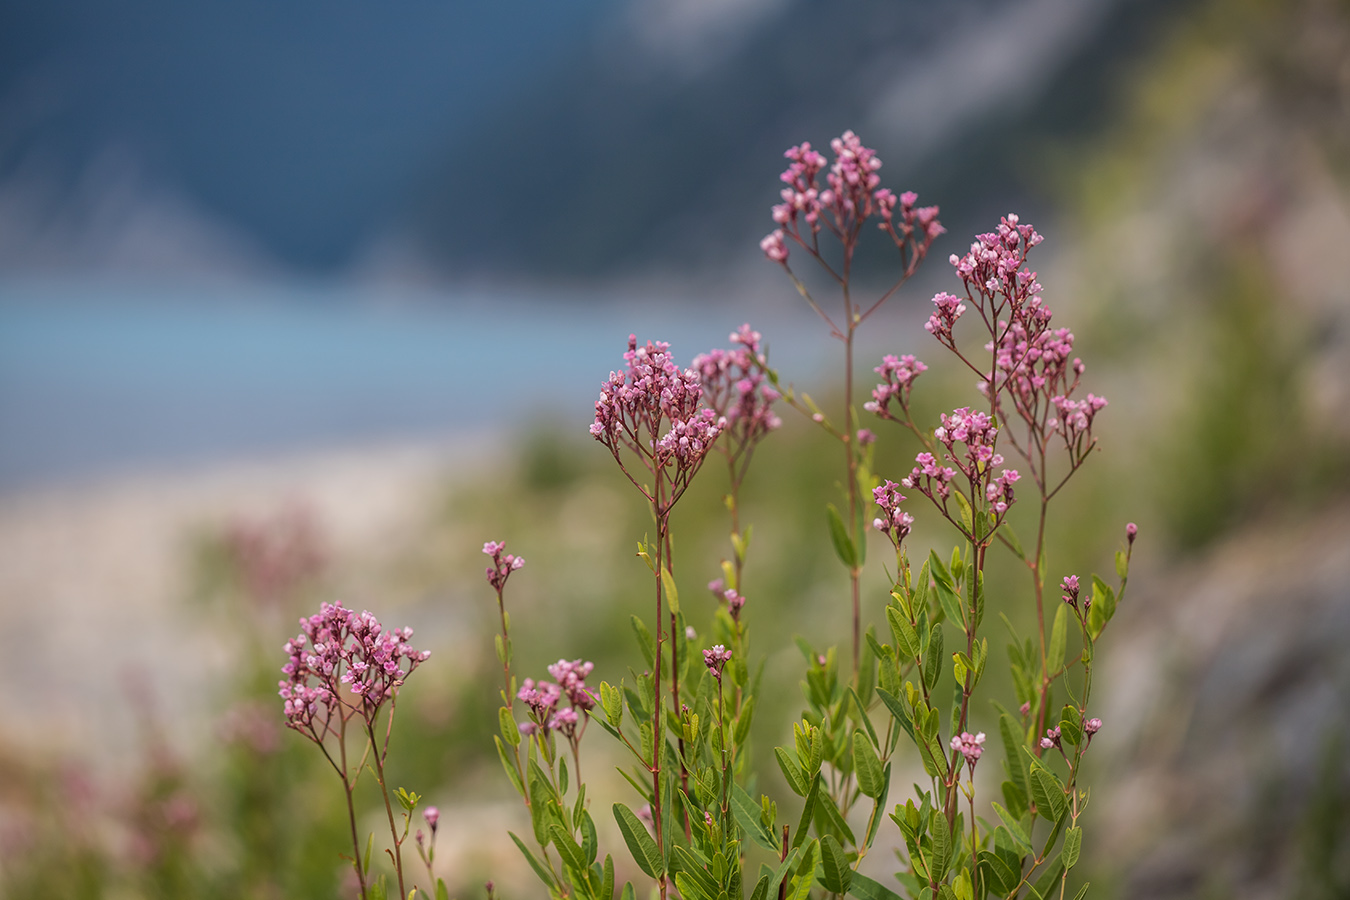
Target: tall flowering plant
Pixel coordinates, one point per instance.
(342, 680)
(911, 687)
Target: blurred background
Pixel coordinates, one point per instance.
(305, 301)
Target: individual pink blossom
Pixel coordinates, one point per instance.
(773, 246)
(1051, 739)
(1131, 531)
(432, 815)
(1092, 726)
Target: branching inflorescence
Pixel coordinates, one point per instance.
(346, 667)
(687, 726)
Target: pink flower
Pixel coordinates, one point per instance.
(502, 564)
(716, 658)
(970, 745)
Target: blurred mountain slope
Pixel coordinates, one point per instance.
(534, 140)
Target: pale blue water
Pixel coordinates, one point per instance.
(97, 381)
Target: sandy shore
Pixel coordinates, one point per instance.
(93, 578)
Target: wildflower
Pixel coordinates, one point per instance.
(1092, 726)
(1051, 738)
(654, 409)
(735, 603)
(716, 658)
(850, 196)
(433, 815)
(1070, 588)
(735, 386)
(1130, 531)
(503, 564)
(898, 374)
(970, 745)
(895, 523)
(338, 647)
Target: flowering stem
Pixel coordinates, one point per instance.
(658, 743)
(347, 786)
(389, 810)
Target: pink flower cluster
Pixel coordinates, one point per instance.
(734, 386)
(1070, 588)
(898, 374)
(716, 659)
(543, 698)
(337, 647)
(977, 462)
(1033, 364)
(850, 197)
(970, 745)
(895, 523)
(503, 564)
(654, 409)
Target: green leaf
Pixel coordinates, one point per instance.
(645, 852)
(1122, 565)
(808, 811)
(1045, 885)
(942, 845)
(998, 873)
(1047, 791)
(370, 844)
(906, 638)
(897, 710)
(611, 698)
(743, 721)
(590, 843)
(539, 868)
(962, 502)
(607, 879)
(441, 892)
(1073, 842)
(792, 773)
(1054, 658)
(946, 591)
(1011, 733)
(836, 875)
(691, 878)
(378, 891)
(672, 592)
(628, 893)
(761, 891)
(567, 848)
(1013, 543)
(1082, 892)
(507, 723)
(644, 639)
(1071, 725)
(1014, 828)
(867, 767)
(747, 816)
(933, 656)
(843, 544)
(865, 888)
